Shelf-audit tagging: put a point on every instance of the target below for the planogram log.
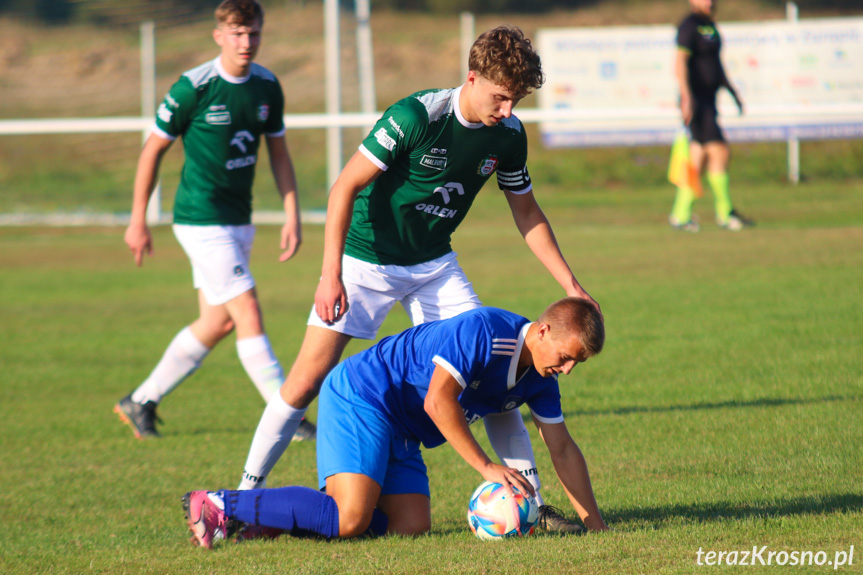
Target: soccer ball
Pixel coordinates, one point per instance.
(493, 515)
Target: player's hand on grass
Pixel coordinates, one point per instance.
(331, 300)
(139, 240)
(292, 237)
(508, 477)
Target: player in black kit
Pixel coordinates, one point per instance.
(700, 74)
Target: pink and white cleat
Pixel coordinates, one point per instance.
(206, 520)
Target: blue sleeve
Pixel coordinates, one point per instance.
(544, 403)
(464, 348)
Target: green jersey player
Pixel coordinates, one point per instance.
(221, 109)
(390, 216)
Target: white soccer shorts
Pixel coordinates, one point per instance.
(220, 259)
(433, 290)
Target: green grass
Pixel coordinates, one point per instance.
(724, 412)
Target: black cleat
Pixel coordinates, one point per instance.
(553, 521)
(140, 417)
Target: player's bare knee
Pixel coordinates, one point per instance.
(411, 527)
(353, 524)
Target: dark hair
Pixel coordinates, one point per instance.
(504, 56)
(239, 12)
(575, 315)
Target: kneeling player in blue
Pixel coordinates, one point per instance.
(425, 386)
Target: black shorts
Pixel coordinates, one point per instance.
(703, 126)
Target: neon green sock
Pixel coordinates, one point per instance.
(719, 184)
(682, 210)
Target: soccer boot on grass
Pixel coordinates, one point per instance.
(247, 532)
(306, 431)
(690, 226)
(141, 417)
(552, 520)
(735, 222)
(206, 520)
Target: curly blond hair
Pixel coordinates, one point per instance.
(506, 57)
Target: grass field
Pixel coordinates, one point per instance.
(724, 413)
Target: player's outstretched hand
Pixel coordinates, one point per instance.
(331, 300)
(139, 240)
(292, 237)
(508, 477)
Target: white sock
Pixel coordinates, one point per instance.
(511, 442)
(183, 356)
(275, 431)
(259, 361)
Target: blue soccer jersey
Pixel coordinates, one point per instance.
(479, 348)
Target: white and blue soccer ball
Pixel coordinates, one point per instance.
(494, 514)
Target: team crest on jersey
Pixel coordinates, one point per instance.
(707, 32)
(263, 112)
(511, 403)
(487, 166)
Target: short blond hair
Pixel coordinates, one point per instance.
(506, 57)
(239, 12)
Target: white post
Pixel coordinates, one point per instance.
(333, 88)
(793, 141)
(365, 58)
(148, 105)
(468, 35)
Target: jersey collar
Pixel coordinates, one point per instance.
(461, 119)
(227, 77)
(513, 364)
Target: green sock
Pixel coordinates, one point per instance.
(719, 184)
(682, 210)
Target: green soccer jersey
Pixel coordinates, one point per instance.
(435, 163)
(221, 119)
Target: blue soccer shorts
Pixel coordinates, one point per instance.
(356, 437)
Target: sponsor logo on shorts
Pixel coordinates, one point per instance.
(433, 162)
(238, 271)
(385, 140)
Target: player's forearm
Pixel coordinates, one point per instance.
(541, 241)
(571, 469)
(339, 212)
(283, 172)
(145, 182)
(448, 416)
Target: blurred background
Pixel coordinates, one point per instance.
(82, 59)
